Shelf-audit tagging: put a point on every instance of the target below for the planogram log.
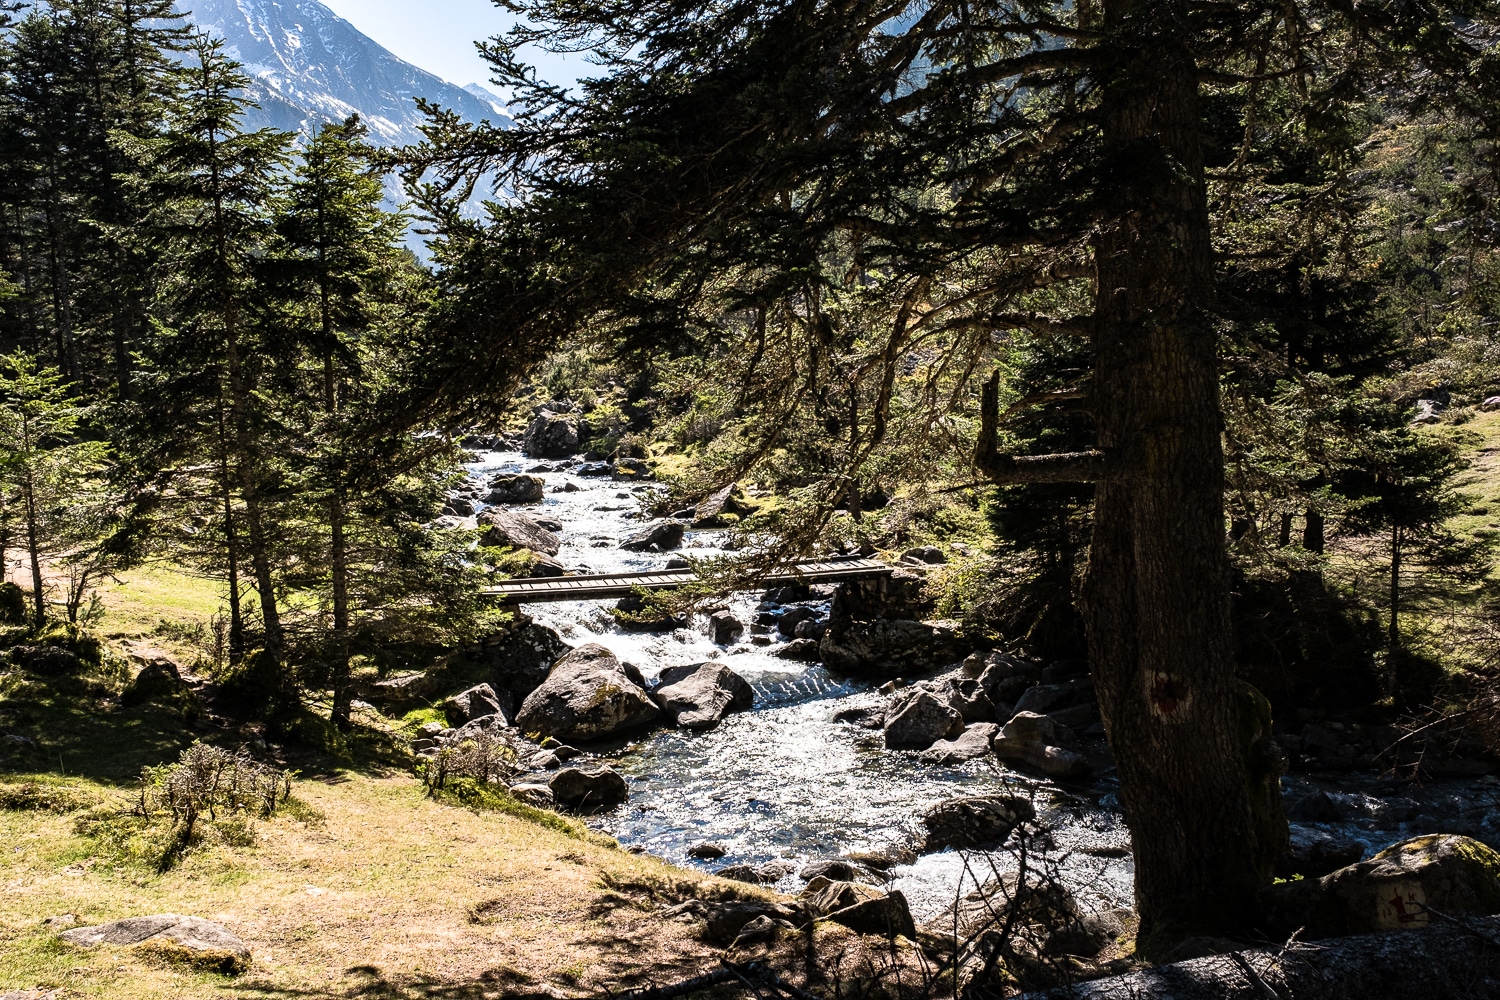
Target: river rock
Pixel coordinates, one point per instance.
(193, 940)
(660, 536)
(632, 616)
(722, 507)
(518, 660)
(551, 435)
(475, 703)
(974, 822)
(507, 527)
(1034, 741)
(788, 620)
(1042, 698)
(516, 489)
(929, 554)
(833, 869)
(587, 696)
(630, 470)
(589, 788)
(534, 793)
(919, 721)
(802, 650)
(459, 507)
(861, 908)
(972, 743)
(1393, 890)
(721, 920)
(703, 697)
(403, 689)
(724, 628)
(889, 647)
(707, 851)
(543, 565)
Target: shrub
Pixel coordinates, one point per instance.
(12, 604)
(487, 757)
(207, 779)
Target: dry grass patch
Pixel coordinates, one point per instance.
(369, 889)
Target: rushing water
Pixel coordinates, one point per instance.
(782, 781)
(785, 782)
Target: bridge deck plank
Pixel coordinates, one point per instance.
(603, 585)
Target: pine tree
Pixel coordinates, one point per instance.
(48, 470)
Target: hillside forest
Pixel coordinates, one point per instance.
(1130, 372)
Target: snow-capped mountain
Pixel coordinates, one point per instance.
(308, 66)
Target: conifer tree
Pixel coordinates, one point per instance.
(47, 468)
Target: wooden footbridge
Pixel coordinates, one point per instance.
(607, 585)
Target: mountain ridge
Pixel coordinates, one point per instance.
(308, 66)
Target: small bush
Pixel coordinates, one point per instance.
(487, 757)
(207, 779)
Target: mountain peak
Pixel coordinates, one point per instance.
(308, 66)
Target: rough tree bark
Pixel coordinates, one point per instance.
(1155, 599)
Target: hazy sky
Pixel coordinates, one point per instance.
(438, 35)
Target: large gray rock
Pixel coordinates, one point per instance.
(861, 908)
(588, 788)
(1036, 742)
(1398, 889)
(508, 527)
(703, 697)
(893, 647)
(724, 628)
(921, 720)
(971, 744)
(171, 935)
(661, 536)
(516, 489)
(587, 696)
(159, 681)
(975, 822)
(518, 660)
(551, 435)
(475, 703)
(722, 507)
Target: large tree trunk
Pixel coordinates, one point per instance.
(1156, 596)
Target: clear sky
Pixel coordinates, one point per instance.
(439, 35)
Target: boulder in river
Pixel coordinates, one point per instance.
(516, 489)
(1398, 889)
(589, 788)
(724, 628)
(658, 537)
(475, 703)
(508, 527)
(1034, 741)
(974, 822)
(919, 721)
(788, 620)
(587, 696)
(543, 565)
(704, 696)
(191, 940)
(972, 743)
(722, 507)
(630, 470)
(892, 647)
(802, 650)
(551, 435)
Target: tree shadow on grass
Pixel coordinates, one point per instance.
(369, 981)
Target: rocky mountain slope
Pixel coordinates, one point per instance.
(308, 66)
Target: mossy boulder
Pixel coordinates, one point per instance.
(1398, 889)
(588, 696)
